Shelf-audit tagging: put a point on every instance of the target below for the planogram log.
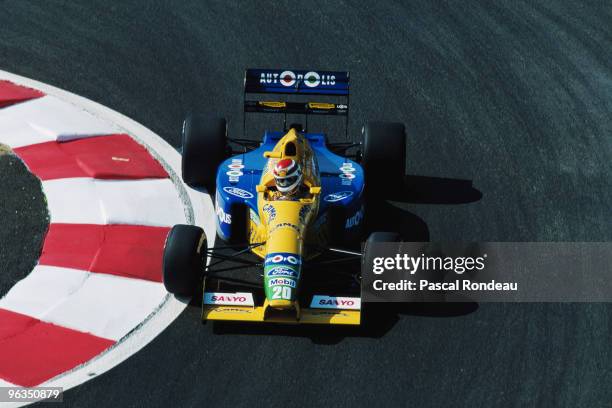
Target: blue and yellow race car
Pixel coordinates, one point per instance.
(293, 200)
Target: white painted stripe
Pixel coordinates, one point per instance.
(43, 290)
(107, 306)
(46, 119)
(153, 202)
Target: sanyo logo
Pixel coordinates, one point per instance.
(337, 302)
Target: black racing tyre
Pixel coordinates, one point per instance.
(380, 236)
(184, 259)
(204, 148)
(376, 237)
(368, 313)
(384, 156)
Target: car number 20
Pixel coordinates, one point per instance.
(281, 292)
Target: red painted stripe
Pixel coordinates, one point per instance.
(32, 351)
(132, 251)
(11, 93)
(104, 157)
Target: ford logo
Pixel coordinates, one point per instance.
(238, 192)
(340, 195)
(282, 271)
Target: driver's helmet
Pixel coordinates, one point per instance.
(288, 175)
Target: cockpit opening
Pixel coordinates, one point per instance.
(290, 149)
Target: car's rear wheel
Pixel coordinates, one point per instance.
(368, 313)
(204, 148)
(377, 237)
(184, 259)
(384, 156)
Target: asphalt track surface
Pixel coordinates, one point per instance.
(509, 109)
(23, 212)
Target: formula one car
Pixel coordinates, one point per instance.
(299, 242)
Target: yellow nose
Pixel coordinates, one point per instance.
(281, 304)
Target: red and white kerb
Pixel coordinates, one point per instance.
(99, 274)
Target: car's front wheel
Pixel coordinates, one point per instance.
(184, 259)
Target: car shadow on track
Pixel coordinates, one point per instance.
(379, 318)
(383, 215)
(437, 190)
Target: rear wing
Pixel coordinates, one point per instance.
(284, 81)
(296, 82)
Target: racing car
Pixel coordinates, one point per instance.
(298, 245)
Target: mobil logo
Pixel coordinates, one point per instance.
(282, 282)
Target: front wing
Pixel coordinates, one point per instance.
(257, 314)
(248, 307)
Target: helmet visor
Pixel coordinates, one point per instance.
(286, 182)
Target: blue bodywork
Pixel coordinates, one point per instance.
(342, 182)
